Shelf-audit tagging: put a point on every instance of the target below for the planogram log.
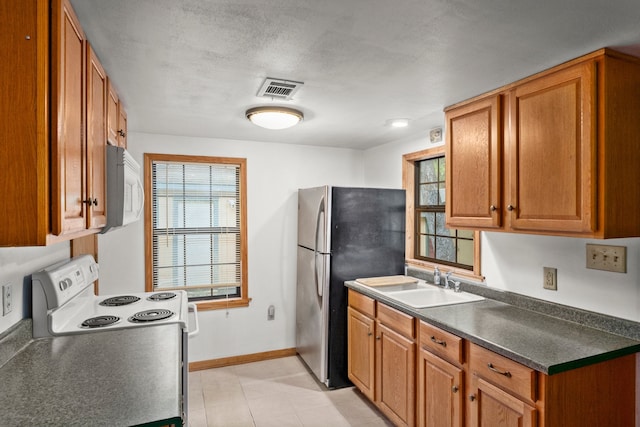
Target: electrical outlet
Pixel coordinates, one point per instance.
(607, 258)
(7, 299)
(550, 278)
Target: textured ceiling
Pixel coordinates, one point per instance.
(192, 67)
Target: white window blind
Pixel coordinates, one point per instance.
(196, 229)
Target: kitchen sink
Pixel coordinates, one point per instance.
(422, 295)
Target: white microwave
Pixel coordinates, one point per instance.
(125, 194)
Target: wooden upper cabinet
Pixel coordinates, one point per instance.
(96, 141)
(473, 165)
(68, 118)
(553, 152)
(116, 119)
(568, 141)
(122, 126)
(53, 95)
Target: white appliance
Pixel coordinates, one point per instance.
(64, 303)
(343, 234)
(125, 194)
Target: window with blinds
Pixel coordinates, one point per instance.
(197, 233)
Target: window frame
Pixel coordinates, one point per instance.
(409, 184)
(203, 304)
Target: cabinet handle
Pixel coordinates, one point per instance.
(510, 208)
(497, 371)
(378, 338)
(91, 201)
(472, 397)
(370, 333)
(493, 208)
(122, 133)
(455, 389)
(437, 341)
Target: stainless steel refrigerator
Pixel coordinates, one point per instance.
(343, 234)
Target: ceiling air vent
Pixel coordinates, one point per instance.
(279, 88)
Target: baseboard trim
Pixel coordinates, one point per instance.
(237, 360)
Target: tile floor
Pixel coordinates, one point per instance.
(278, 392)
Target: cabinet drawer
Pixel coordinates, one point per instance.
(441, 342)
(362, 303)
(396, 320)
(504, 372)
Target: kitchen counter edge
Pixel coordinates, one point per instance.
(512, 332)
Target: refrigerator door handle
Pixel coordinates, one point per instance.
(319, 285)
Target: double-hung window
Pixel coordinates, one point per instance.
(430, 242)
(196, 228)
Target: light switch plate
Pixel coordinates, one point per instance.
(7, 299)
(550, 278)
(607, 258)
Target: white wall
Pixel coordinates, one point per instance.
(274, 174)
(16, 267)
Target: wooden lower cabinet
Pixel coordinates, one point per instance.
(361, 350)
(451, 382)
(440, 392)
(395, 373)
(382, 357)
(497, 408)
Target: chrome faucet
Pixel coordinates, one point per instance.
(447, 278)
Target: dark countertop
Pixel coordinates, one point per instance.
(97, 379)
(544, 343)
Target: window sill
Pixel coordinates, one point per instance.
(460, 272)
(222, 304)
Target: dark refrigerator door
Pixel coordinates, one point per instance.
(367, 239)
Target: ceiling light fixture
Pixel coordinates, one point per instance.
(398, 123)
(274, 117)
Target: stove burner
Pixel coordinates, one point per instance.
(151, 315)
(100, 321)
(119, 300)
(162, 296)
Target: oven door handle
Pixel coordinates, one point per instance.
(194, 308)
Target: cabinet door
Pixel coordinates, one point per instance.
(112, 115)
(440, 392)
(96, 141)
(361, 348)
(68, 118)
(473, 165)
(122, 126)
(552, 152)
(490, 406)
(395, 366)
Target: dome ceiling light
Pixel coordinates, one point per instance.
(274, 117)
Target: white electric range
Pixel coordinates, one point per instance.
(64, 303)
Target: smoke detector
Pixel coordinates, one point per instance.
(279, 88)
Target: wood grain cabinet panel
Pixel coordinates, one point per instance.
(440, 392)
(551, 154)
(473, 169)
(116, 119)
(52, 160)
(68, 112)
(361, 352)
(96, 141)
(395, 370)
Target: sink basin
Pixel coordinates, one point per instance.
(422, 295)
(426, 297)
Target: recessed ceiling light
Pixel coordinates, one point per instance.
(398, 123)
(274, 117)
